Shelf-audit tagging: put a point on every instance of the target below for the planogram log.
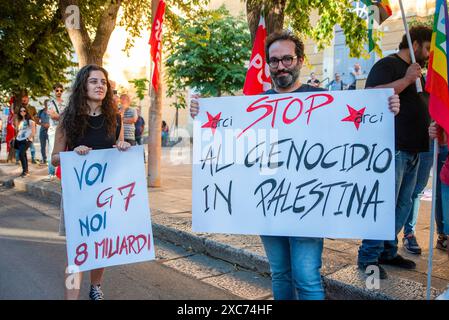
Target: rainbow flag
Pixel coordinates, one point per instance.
(384, 12)
(437, 75)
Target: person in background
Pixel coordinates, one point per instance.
(44, 123)
(33, 116)
(313, 81)
(26, 129)
(355, 74)
(336, 84)
(129, 116)
(140, 127)
(55, 107)
(10, 131)
(164, 133)
(411, 139)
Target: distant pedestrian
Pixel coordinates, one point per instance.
(313, 81)
(32, 112)
(140, 127)
(129, 116)
(26, 130)
(337, 83)
(44, 123)
(90, 122)
(164, 133)
(55, 107)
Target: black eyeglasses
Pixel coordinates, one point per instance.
(286, 61)
(23, 111)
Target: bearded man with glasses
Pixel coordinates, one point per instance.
(295, 262)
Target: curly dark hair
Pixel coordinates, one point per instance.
(285, 35)
(420, 33)
(76, 114)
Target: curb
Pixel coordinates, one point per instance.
(338, 286)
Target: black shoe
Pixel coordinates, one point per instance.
(372, 265)
(411, 245)
(399, 262)
(96, 293)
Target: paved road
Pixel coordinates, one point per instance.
(32, 259)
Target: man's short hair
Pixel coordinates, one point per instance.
(58, 85)
(285, 35)
(420, 33)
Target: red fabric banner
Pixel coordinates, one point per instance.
(258, 76)
(155, 42)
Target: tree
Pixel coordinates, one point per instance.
(35, 51)
(205, 55)
(297, 13)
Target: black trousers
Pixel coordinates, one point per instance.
(23, 147)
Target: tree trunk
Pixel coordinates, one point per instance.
(154, 126)
(273, 12)
(88, 51)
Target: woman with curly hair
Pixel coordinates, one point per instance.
(89, 122)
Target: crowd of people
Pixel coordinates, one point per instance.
(337, 83)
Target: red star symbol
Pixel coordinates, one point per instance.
(355, 116)
(213, 122)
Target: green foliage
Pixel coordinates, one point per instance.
(35, 51)
(208, 53)
(141, 86)
(331, 13)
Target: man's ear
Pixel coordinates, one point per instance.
(416, 45)
(301, 61)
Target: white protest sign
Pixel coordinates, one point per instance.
(313, 164)
(107, 216)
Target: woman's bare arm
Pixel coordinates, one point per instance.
(60, 146)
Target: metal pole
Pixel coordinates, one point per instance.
(410, 44)
(432, 215)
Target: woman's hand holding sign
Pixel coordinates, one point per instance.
(82, 150)
(122, 145)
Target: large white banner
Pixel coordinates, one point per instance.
(315, 164)
(107, 216)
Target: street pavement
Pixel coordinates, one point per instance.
(33, 257)
(171, 216)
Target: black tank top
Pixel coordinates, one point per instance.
(96, 136)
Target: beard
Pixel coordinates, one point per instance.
(285, 81)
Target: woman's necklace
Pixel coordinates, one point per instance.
(95, 111)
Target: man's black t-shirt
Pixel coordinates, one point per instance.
(412, 122)
(302, 88)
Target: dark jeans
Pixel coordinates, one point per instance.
(23, 147)
(43, 138)
(139, 140)
(406, 169)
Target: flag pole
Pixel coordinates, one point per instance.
(410, 44)
(432, 215)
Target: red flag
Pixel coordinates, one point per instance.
(258, 75)
(155, 42)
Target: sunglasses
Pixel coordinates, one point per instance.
(23, 111)
(58, 90)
